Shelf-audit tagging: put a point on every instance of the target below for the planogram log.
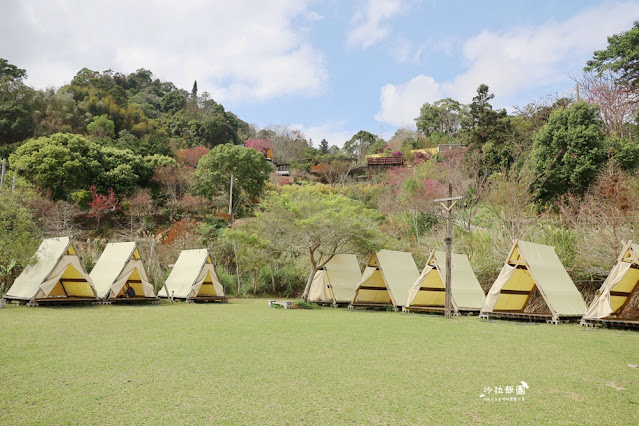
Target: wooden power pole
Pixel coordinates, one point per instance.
(448, 204)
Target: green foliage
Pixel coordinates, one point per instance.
(101, 127)
(247, 166)
(567, 152)
(314, 220)
(360, 143)
(66, 163)
(16, 104)
(623, 152)
(620, 56)
(445, 116)
(20, 234)
(488, 131)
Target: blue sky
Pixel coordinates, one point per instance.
(329, 68)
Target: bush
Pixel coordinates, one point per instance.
(300, 304)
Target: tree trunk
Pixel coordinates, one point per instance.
(272, 277)
(308, 284)
(255, 273)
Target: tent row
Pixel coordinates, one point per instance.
(57, 276)
(533, 279)
(391, 279)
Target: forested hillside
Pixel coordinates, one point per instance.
(113, 157)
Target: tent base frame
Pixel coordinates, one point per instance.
(618, 323)
(332, 304)
(131, 300)
(206, 299)
(522, 316)
(366, 306)
(439, 310)
(58, 301)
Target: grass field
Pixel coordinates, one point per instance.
(245, 363)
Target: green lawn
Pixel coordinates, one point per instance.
(245, 363)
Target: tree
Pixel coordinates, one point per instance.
(16, 104)
(323, 147)
(316, 222)
(617, 101)
(444, 116)
(488, 131)
(101, 204)
(215, 170)
(256, 252)
(567, 152)
(359, 143)
(620, 56)
(20, 235)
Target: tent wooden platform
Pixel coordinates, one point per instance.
(364, 306)
(620, 323)
(57, 301)
(132, 300)
(522, 316)
(206, 299)
(439, 310)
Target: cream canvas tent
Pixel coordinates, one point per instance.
(531, 266)
(386, 280)
(615, 293)
(56, 276)
(120, 264)
(193, 278)
(429, 291)
(336, 282)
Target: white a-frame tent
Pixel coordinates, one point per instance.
(120, 264)
(193, 278)
(429, 291)
(616, 292)
(336, 282)
(531, 266)
(386, 280)
(56, 276)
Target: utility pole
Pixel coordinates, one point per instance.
(450, 202)
(4, 171)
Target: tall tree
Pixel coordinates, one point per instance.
(323, 147)
(215, 170)
(16, 104)
(309, 221)
(568, 152)
(621, 56)
(359, 143)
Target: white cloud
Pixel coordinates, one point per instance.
(514, 62)
(371, 24)
(401, 103)
(242, 50)
(333, 132)
(406, 52)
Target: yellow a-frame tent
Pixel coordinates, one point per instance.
(336, 282)
(429, 291)
(386, 280)
(120, 264)
(531, 266)
(193, 278)
(616, 292)
(57, 276)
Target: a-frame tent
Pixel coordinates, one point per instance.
(336, 282)
(120, 264)
(620, 287)
(57, 276)
(194, 279)
(531, 266)
(429, 291)
(386, 280)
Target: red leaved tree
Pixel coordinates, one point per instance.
(101, 205)
(261, 145)
(191, 156)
